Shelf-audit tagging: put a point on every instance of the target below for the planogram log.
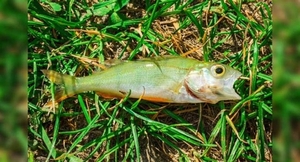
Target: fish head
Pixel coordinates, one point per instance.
(212, 82)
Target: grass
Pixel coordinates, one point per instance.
(75, 37)
(286, 116)
(13, 108)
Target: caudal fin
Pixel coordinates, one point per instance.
(66, 84)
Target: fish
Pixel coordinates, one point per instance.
(172, 79)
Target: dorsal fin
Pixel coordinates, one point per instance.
(113, 62)
(108, 64)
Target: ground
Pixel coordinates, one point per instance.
(77, 37)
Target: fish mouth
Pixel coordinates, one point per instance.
(230, 92)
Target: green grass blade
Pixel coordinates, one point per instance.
(84, 109)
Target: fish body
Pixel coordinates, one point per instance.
(169, 79)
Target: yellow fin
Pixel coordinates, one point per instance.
(155, 99)
(66, 84)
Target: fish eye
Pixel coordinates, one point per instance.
(218, 70)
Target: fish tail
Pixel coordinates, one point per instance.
(66, 84)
